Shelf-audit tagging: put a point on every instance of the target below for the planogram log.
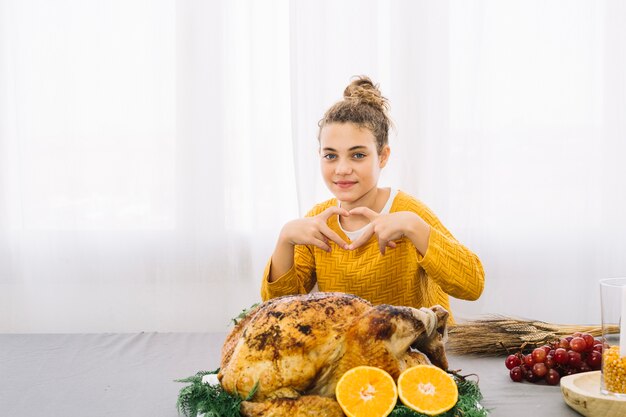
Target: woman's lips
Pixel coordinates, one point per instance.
(345, 184)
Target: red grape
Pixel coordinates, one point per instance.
(564, 343)
(529, 360)
(530, 376)
(552, 377)
(512, 361)
(589, 340)
(574, 359)
(539, 355)
(568, 355)
(540, 369)
(578, 344)
(560, 356)
(594, 359)
(516, 374)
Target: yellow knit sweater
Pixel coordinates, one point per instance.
(402, 276)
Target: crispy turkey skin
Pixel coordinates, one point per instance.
(297, 347)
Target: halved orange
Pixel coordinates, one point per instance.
(427, 389)
(366, 391)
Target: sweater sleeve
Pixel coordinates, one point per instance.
(452, 266)
(455, 268)
(300, 279)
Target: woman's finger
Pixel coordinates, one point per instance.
(366, 212)
(382, 245)
(331, 211)
(330, 234)
(361, 240)
(320, 244)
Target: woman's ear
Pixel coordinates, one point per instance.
(384, 156)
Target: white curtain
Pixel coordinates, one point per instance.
(151, 151)
(145, 161)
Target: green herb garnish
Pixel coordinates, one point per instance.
(213, 401)
(244, 313)
(468, 404)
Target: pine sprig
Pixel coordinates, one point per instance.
(210, 400)
(468, 404)
(244, 313)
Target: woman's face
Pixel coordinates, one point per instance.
(350, 163)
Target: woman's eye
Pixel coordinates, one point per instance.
(330, 156)
(358, 155)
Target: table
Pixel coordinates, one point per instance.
(133, 374)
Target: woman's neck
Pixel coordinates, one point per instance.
(375, 200)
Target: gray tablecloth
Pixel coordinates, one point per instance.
(133, 375)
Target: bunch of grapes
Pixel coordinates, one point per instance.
(580, 352)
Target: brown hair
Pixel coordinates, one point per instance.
(363, 105)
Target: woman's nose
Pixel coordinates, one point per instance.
(343, 167)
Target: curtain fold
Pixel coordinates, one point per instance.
(150, 152)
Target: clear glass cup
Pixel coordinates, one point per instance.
(613, 300)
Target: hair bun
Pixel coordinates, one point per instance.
(362, 89)
(364, 106)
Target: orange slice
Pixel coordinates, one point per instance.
(366, 391)
(427, 389)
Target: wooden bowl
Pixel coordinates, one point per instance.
(582, 393)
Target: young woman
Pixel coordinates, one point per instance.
(378, 243)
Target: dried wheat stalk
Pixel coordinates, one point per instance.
(497, 335)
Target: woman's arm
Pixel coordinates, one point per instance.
(299, 279)
(456, 269)
(306, 231)
(291, 269)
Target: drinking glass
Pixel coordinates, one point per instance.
(613, 301)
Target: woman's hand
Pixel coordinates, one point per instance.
(389, 227)
(305, 231)
(314, 230)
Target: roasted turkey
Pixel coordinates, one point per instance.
(297, 347)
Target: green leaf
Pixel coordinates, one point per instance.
(252, 391)
(211, 400)
(244, 313)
